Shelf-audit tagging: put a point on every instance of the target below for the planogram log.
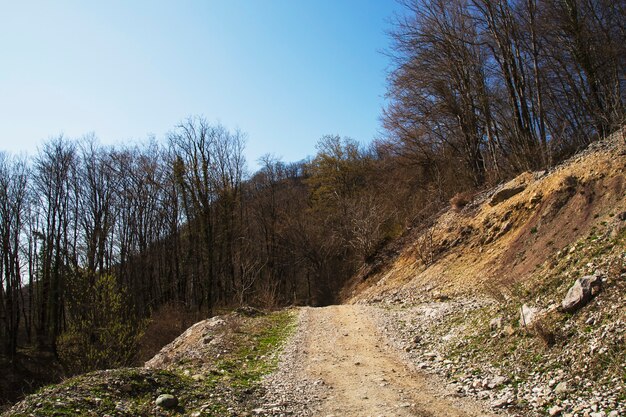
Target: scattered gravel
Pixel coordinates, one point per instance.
(289, 391)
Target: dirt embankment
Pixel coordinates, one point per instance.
(502, 236)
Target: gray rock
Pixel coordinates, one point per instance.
(497, 381)
(581, 292)
(527, 315)
(166, 401)
(495, 324)
(561, 388)
(505, 194)
(501, 402)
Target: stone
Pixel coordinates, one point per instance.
(561, 388)
(555, 411)
(505, 194)
(497, 381)
(509, 330)
(501, 402)
(581, 292)
(527, 315)
(439, 296)
(495, 324)
(248, 311)
(166, 401)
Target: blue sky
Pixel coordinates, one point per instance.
(286, 72)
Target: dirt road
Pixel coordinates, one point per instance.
(340, 349)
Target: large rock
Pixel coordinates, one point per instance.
(581, 292)
(505, 194)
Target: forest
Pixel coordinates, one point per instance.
(94, 239)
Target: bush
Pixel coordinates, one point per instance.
(101, 334)
(165, 324)
(460, 200)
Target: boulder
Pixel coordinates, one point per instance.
(505, 194)
(581, 292)
(166, 401)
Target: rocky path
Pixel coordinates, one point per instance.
(338, 364)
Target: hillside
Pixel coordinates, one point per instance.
(455, 290)
(464, 317)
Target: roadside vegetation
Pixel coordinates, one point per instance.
(225, 382)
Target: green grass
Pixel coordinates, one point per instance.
(254, 359)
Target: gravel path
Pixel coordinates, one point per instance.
(337, 364)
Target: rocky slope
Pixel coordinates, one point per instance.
(478, 296)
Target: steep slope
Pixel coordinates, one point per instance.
(495, 244)
(459, 286)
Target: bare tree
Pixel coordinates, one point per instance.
(13, 208)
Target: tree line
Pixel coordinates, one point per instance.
(501, 86)
(95, 238)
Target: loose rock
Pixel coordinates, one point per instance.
(581, 292)
(166, 401)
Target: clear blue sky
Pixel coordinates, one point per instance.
(285, 72)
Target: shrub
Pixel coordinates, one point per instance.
(460, 200)
(165, 324)
(101, 334)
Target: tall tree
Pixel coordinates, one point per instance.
(14, 202)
